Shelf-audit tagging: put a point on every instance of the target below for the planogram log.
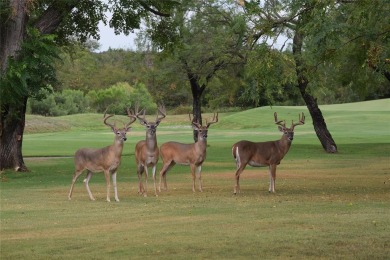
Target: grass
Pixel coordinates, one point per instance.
(326, 205)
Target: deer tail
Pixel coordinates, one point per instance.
(234, 148)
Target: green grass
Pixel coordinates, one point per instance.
(326, 206)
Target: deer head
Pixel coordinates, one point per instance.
(202, 130)
(288, 132)
(120, 133)
(152, 126)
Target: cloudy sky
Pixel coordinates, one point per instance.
(108, 39)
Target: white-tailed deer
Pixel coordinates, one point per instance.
(264, 153)
(105, 160)
(146, 151)
(186, 154)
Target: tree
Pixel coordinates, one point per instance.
(320, 47)
(328, 36)
(29, 33)
(208, 39)
(352, 42)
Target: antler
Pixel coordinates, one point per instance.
(301, 121)
(215, 120)
(135, 115)
(193, 121)
(280, 121)
(107, 117)
(161, 110)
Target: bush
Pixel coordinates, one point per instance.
(121, 96)
(67, 102)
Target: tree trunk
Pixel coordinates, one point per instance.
(197, 92)
(12, 113)
(12, 32)
(319, 124)
(12, 122)
(196, 104)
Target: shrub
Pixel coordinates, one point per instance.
(121, 96)
(62, 103)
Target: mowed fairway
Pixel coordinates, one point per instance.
(326, 206)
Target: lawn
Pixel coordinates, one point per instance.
(326, 205)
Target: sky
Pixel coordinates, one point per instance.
(108, 39)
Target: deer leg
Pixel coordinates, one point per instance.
(199, 173)
(146, 181)
(272, 175)
(154, 179)
(115, 188)
(163, 174)
(140, 170)
(74, 179)
(107, 176)
(193, 169)
(86, 181)
(239, 170)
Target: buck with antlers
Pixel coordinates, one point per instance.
(146, 151)
(264, 153)
(106, 159)
(186, 154)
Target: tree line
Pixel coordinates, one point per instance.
(203, 53)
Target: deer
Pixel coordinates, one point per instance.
(270, 153)
(105, 159)
(147, 152)
(186, 154)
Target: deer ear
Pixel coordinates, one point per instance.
(281, 129)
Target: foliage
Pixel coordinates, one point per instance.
(345, 47)
(82, 69)
(32, 71)
(270, 78)
(351, 43)
(121, 96)
(67, 102)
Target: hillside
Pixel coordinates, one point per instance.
(360, 114)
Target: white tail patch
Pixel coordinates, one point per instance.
(237, 155)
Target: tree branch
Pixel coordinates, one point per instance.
(52, 17)
(156, 12)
